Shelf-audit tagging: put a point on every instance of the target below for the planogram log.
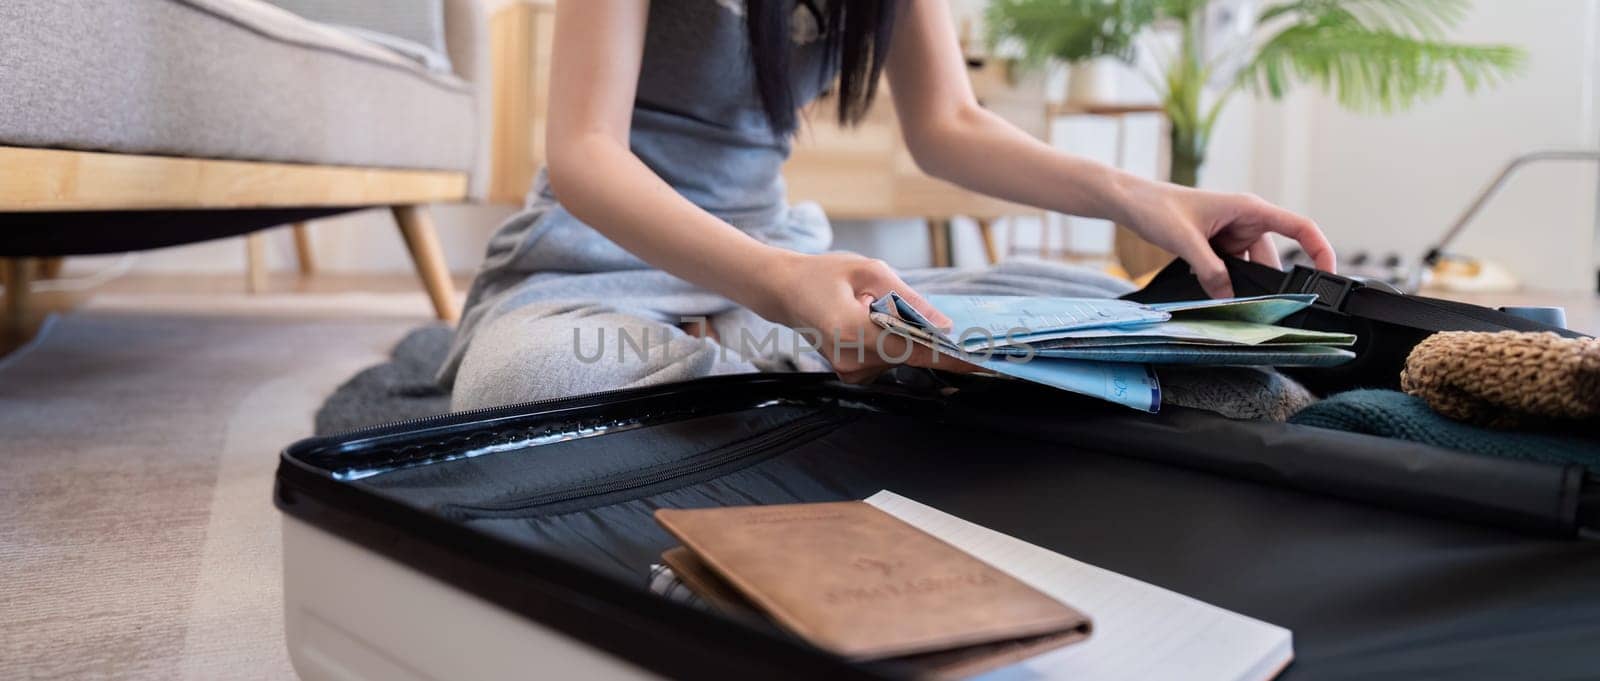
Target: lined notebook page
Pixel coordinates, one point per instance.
(1141, 631)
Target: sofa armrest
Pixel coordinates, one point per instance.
(466, 25)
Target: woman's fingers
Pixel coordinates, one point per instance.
(1316, 245)
(879, 279)
(1304, 230)
(1263, 252)
(1208, 268)
(883, 350)
(920, 355)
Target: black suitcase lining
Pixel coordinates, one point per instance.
(1370, 591)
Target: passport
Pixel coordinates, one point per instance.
(1130, 385)
(1179, 354)
(862, 584)
(1107, 349)
(1200, 332)
(1263, 309)
(954, 663)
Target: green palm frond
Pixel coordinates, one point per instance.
(1366, 62)
(1429, 18)
(1373, 55)
(1072, 30)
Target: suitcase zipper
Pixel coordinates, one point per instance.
(586, 399)
(742, 453)
(515, 407)
(332, 454)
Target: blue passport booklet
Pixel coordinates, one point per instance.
(1130, 385)
(1106, 348)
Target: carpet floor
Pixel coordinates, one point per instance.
(138, 440)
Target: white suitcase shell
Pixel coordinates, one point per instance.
(353, 615)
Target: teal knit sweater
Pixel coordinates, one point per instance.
(1392, 414)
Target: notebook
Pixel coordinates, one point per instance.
(944, 665)
(1142, 631)
(858, 582)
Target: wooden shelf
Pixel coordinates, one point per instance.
(37, 180)
(1102, 109)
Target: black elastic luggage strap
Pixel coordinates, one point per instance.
(1332, 290)
(1348, 296)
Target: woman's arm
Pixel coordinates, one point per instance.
(953, 138)
(594, 79)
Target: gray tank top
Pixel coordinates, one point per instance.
(698, 120)
(698, 123)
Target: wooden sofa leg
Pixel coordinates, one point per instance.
(416, 225)
(255, 262)
(16, 274)
(939, 241)
(991, 251)
(50, 268)
(302, 249)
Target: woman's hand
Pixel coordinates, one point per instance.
(827, 299)
(1196, 225)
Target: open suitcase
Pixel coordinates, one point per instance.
(515, 542)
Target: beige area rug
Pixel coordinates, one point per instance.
(138, 440)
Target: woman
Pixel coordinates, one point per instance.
(661, 219)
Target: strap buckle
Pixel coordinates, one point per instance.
(1331, 289)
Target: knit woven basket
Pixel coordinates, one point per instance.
(1507, 379)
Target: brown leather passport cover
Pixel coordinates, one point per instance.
(705, 582)
(863, 584)
(954, 663)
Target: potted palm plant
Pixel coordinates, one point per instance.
(1372, 55)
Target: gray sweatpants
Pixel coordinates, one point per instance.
(571, 334)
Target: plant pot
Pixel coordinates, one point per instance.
(1138, 257)
(1092, 82)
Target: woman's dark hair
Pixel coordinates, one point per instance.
(855, 35)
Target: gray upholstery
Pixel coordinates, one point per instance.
(234, 79)
(466, 25)
(414, 28)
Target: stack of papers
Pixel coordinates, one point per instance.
(1107, 348)
(1141, 631)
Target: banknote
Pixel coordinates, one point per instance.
(1106, 348)
(1207, 355)
(1130, 385)
(1197, 332)
(1260, 309)
(983, 320)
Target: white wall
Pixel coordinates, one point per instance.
(1395, 182)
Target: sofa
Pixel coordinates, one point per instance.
(146, 123)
